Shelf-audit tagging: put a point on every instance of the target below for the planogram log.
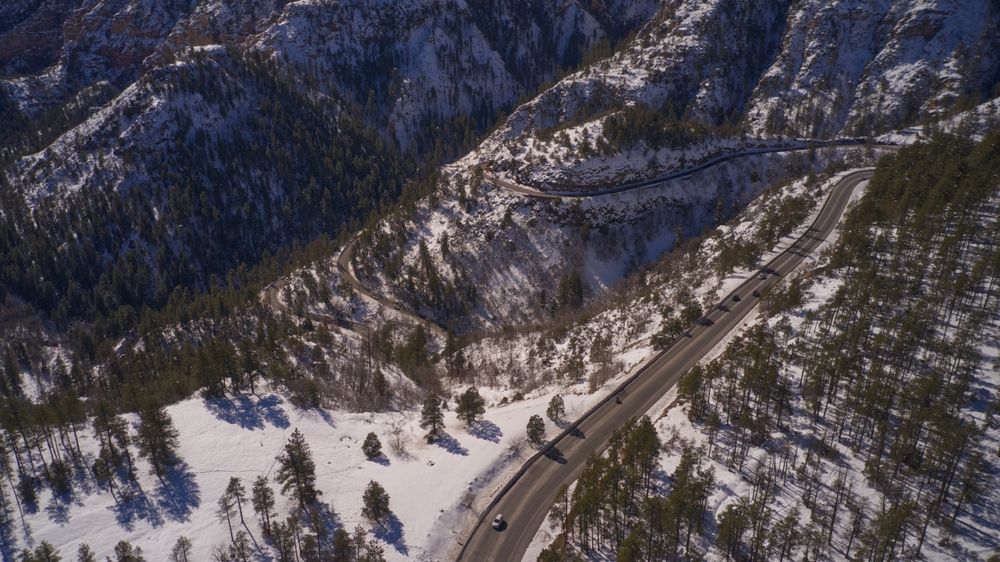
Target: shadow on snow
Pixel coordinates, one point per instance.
(485, 430)
(249, 412)
(450, 444)
(391, 531)
(178, 494)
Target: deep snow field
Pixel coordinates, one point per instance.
(242, 436)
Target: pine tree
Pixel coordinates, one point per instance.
(157, 438)
(342, 547)
(372, 447)
(226, 511)
(44, 552)
(86, 554)
(785, 538)
(359, 539)
(470, 406)
(238, 493)
(374, 552)
(536, 430)
(262, 498)
(431, 417)
(733, 524)
(125, 552)
(297, 471)
(181, 552)
(241, 547)
(112, 434)
(376, 502)
(556, 409)
(283, 540)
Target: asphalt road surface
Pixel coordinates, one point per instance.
(526, 499)
(597, 191)
(344, 265)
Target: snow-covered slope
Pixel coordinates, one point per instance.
(872, 66)
(804, 69)
(241, 437)
(406, 64)
(475, 255)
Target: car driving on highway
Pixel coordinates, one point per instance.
(498, 522)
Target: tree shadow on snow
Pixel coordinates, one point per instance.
(8, 542)
(58, 507)
(390, 531)
(83, 481)
(30, 507)
(450, 444)
(249, 412)
(381, 459)
(486, 430)
(661, 482)
(178, 493)
(133, 505)
(322, 514)
(322, 414)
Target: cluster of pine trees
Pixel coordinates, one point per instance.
(640, 123)
(619, 504)
(887, 371)
(309, 533)
(40, 447)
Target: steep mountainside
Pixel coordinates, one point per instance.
(856, 416)
(180, 178)
(700, 80)
(475, 255)
(191, 137)
(408, 64)
(806, 69)
(421, 223)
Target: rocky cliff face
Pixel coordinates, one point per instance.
(858, 67)
(404, 64)
(807, 69)
(730, 74)
(172, 117)
(425, 77)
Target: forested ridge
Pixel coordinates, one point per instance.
(869, 428)
(294, 170)
(141, 295)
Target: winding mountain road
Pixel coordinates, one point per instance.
(527, 497)
(344, 260)
(347, 271)
(596, 191)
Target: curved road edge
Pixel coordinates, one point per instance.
(347, 271)
(535, 192)
(344, 259)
